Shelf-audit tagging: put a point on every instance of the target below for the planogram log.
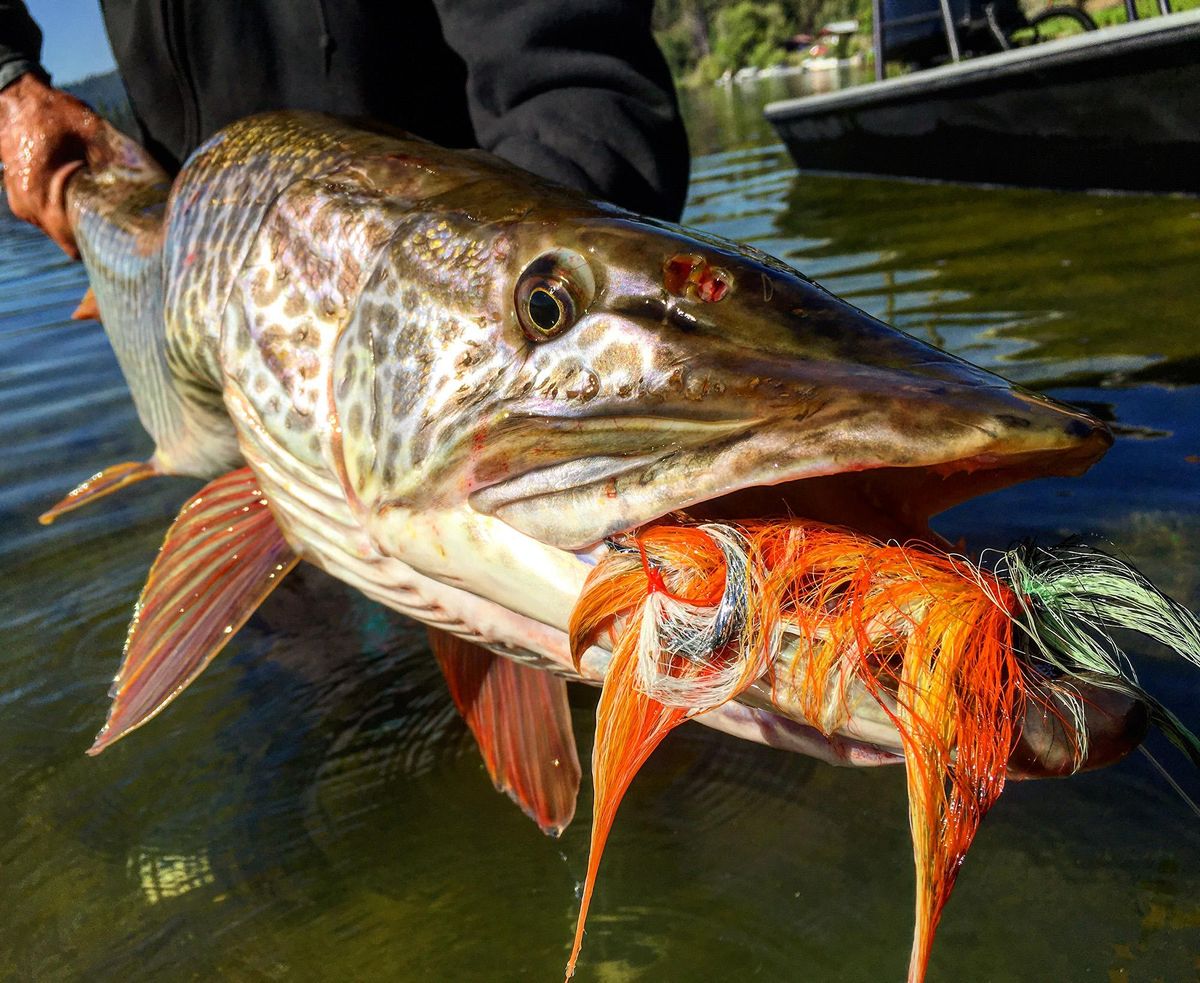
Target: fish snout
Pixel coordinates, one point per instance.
(996, 425)
(1067, 429)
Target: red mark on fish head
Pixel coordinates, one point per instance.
(712, 285)
(690, 275)
(190, 259)
(678, 272)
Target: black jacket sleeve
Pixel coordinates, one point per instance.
(575, 91)
(20, 42)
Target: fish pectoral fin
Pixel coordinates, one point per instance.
(88, 309)
(96, 487)
(223, 555)
(521, 721)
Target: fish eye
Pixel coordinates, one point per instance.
(553, 293)
(548, 307)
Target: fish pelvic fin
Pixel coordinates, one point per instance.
(223, 555)
(100, 485)
(522, 724)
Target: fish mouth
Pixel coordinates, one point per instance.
(880, 499)
(894, 503)
(885, 502)
(731, 469)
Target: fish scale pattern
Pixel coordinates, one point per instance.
(292, 298)
(432, 345)
(218, 206)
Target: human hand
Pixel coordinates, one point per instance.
(46, 135)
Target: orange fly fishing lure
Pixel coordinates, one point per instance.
(696, 614)
(931, 638)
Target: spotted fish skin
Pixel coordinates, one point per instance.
(342, 310)
(273, 228)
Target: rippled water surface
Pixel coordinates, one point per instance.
(313, 809)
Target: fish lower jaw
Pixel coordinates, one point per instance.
(576, 507)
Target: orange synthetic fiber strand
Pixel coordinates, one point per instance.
(931, 639)
(629, 724)
(927, 636)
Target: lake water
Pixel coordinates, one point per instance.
(312, 808)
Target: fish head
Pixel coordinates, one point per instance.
(576, 374)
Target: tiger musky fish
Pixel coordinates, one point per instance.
(447, 383)
(452, 381)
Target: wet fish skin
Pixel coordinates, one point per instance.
(338, 310)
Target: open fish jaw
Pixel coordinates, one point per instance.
(757, 393)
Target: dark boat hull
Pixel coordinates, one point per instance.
(1115, 109)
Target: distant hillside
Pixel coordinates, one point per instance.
(106, 94)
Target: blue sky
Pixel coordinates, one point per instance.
(75, 44)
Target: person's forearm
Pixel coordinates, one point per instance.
(20, 43)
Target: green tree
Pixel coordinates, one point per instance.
(750, 34)
(704, 38)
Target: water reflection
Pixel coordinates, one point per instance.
(1046, 287)
(728, 117)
